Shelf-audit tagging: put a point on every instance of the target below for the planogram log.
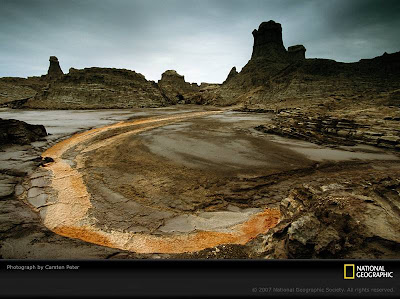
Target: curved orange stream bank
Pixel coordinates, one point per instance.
(68, 215)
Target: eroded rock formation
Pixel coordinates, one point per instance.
(268, 59)
(14, 92)
(54, 71)
(268, 42)
(18, 132)
(329, 222)
(268, 45)
(336, 130)
(175, 87)
(233, 72)
(92, 88)
(275, 78)
(297, 53)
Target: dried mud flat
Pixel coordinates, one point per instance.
(205, 184)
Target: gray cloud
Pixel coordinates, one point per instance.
(200, 39)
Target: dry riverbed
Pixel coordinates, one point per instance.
(178, 183)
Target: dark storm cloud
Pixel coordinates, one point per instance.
(200, 39)
(351, 30)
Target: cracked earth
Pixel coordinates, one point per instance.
(177, 182)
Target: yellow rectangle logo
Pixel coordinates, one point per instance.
(349, 271)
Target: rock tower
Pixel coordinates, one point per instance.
(268, 42)
(54, 71)
(268, 45)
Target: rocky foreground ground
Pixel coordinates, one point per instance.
(287, 204)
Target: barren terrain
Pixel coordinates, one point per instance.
(292, 157)
(193, 182)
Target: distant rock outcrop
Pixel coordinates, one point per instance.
(276, 78)
(175, 87)
(54, 71)
(14, 92)
(268, 58)
(96, 88)
(273, 77)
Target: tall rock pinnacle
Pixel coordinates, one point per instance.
(54, 71)
(268, 42)
(231, 74)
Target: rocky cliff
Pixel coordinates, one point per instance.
(278, 78)
(96, 88)
(176, 88)
(269, 58)
(89, 88)
(274, 78)
(15, 92)
(316, 80)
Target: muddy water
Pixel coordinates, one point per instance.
(342, 153)
(228, 140)
(60, 123)
(194, 152)
(69, 211)
(64, 122)
(220, 142)
(177, 140)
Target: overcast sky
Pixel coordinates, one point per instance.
(200, 39)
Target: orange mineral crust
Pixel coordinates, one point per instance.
(84, 234)
(69, 212)
(180, 243)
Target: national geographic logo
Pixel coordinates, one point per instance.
(365, 271)
(349, 270)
